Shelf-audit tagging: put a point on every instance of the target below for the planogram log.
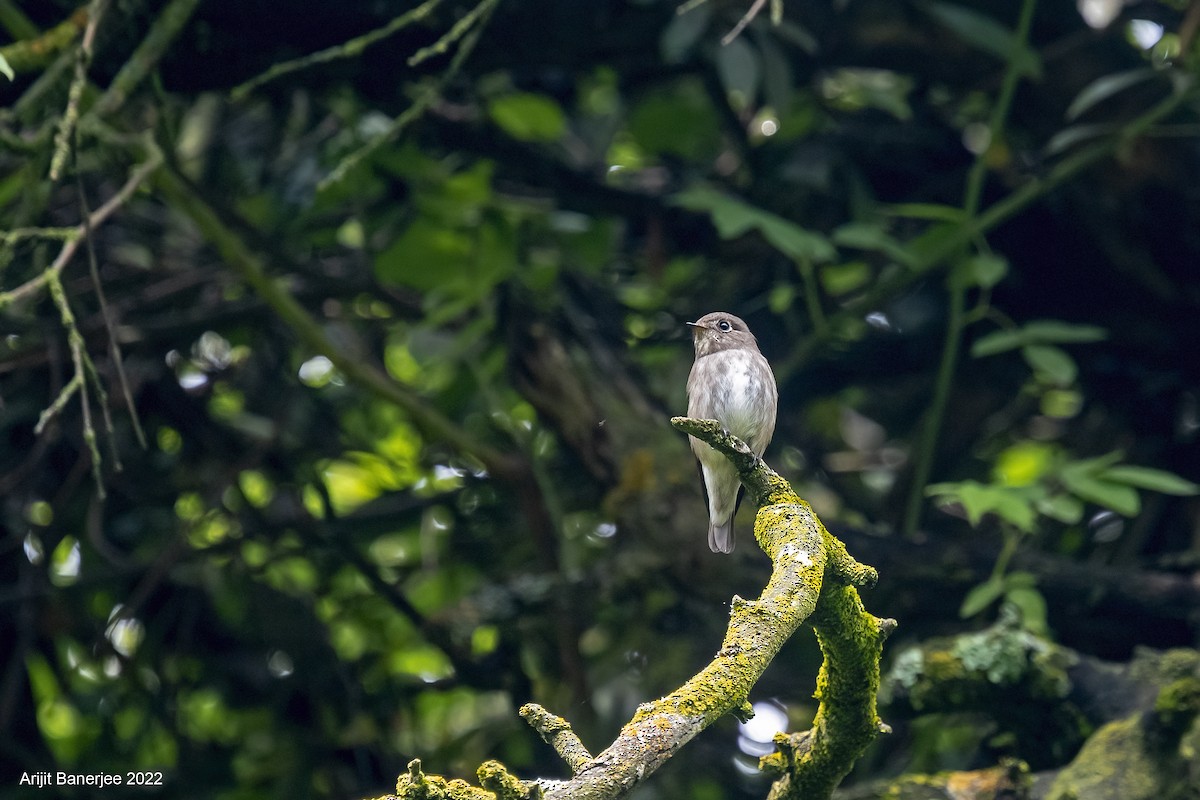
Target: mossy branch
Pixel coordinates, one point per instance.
(558, 733)
(812, 579)
(50, 280)
(162, 34)
(30, 55)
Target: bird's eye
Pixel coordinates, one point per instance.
(724, 325)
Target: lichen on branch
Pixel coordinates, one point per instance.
(813, 579)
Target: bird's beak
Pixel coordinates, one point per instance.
(694, 324)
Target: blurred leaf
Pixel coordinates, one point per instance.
(1053, 331)
(1020, 579)
(1106, 86)
(781, 297)
(529, 117)
(1032, 605)
(1061, 507)
(1081, 478)
(733, 218)
(677, 119)
(840, 279)
(1052, 362)
(987, 34)
(1011, 504)
(778, 80)
(1069, 137)
(740, 71)
(6, 68)
(872, 236)
(981, 597)
(928, 211)
(1061, 403)
(424, 256)
(683, 32)
(984, 270)
(1023, 463)
(1096, 465)
(1155, 480)
(857, 88)
(1037, 332)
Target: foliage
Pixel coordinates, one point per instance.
(367, 323)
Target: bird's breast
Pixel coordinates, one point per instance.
(736, 388)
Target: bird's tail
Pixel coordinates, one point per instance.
(720, 536)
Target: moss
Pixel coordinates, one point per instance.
(968, 671)
(1115, 764)
(1176, 706)
(416, 785)
(496, 778)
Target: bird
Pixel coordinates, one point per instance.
(732, 383)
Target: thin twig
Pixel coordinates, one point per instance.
(70, 118)
(21, 234)
(114, 348)
(162, 33)
(459, 29)
(744, 21)
(78, 381)
(350, 49)
(95, 220)
(414, 111)
(32, 55)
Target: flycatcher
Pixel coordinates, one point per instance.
(732, 383)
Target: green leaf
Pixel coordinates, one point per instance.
(1047, 331)
(529, 117)
(981, 597)
(1032, 605)
(740, 72)
(1061, 507)
(6, 68)
(841, 279)
(926, 211)
(1094, 466)
(998, 342)
(733, 218)
(677, 118)
(778, 81)
(1013, 505)
(1076, 134)
(1120, 497)
(683, 32)
(872, 236)
(983, 270)
(1156, 480)
(1106, 86)
(1054, 331)
(1052, 362)
(987, 34)
(1020, 579)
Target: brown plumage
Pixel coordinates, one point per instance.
(732, 383)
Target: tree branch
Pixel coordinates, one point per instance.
(804, 555)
